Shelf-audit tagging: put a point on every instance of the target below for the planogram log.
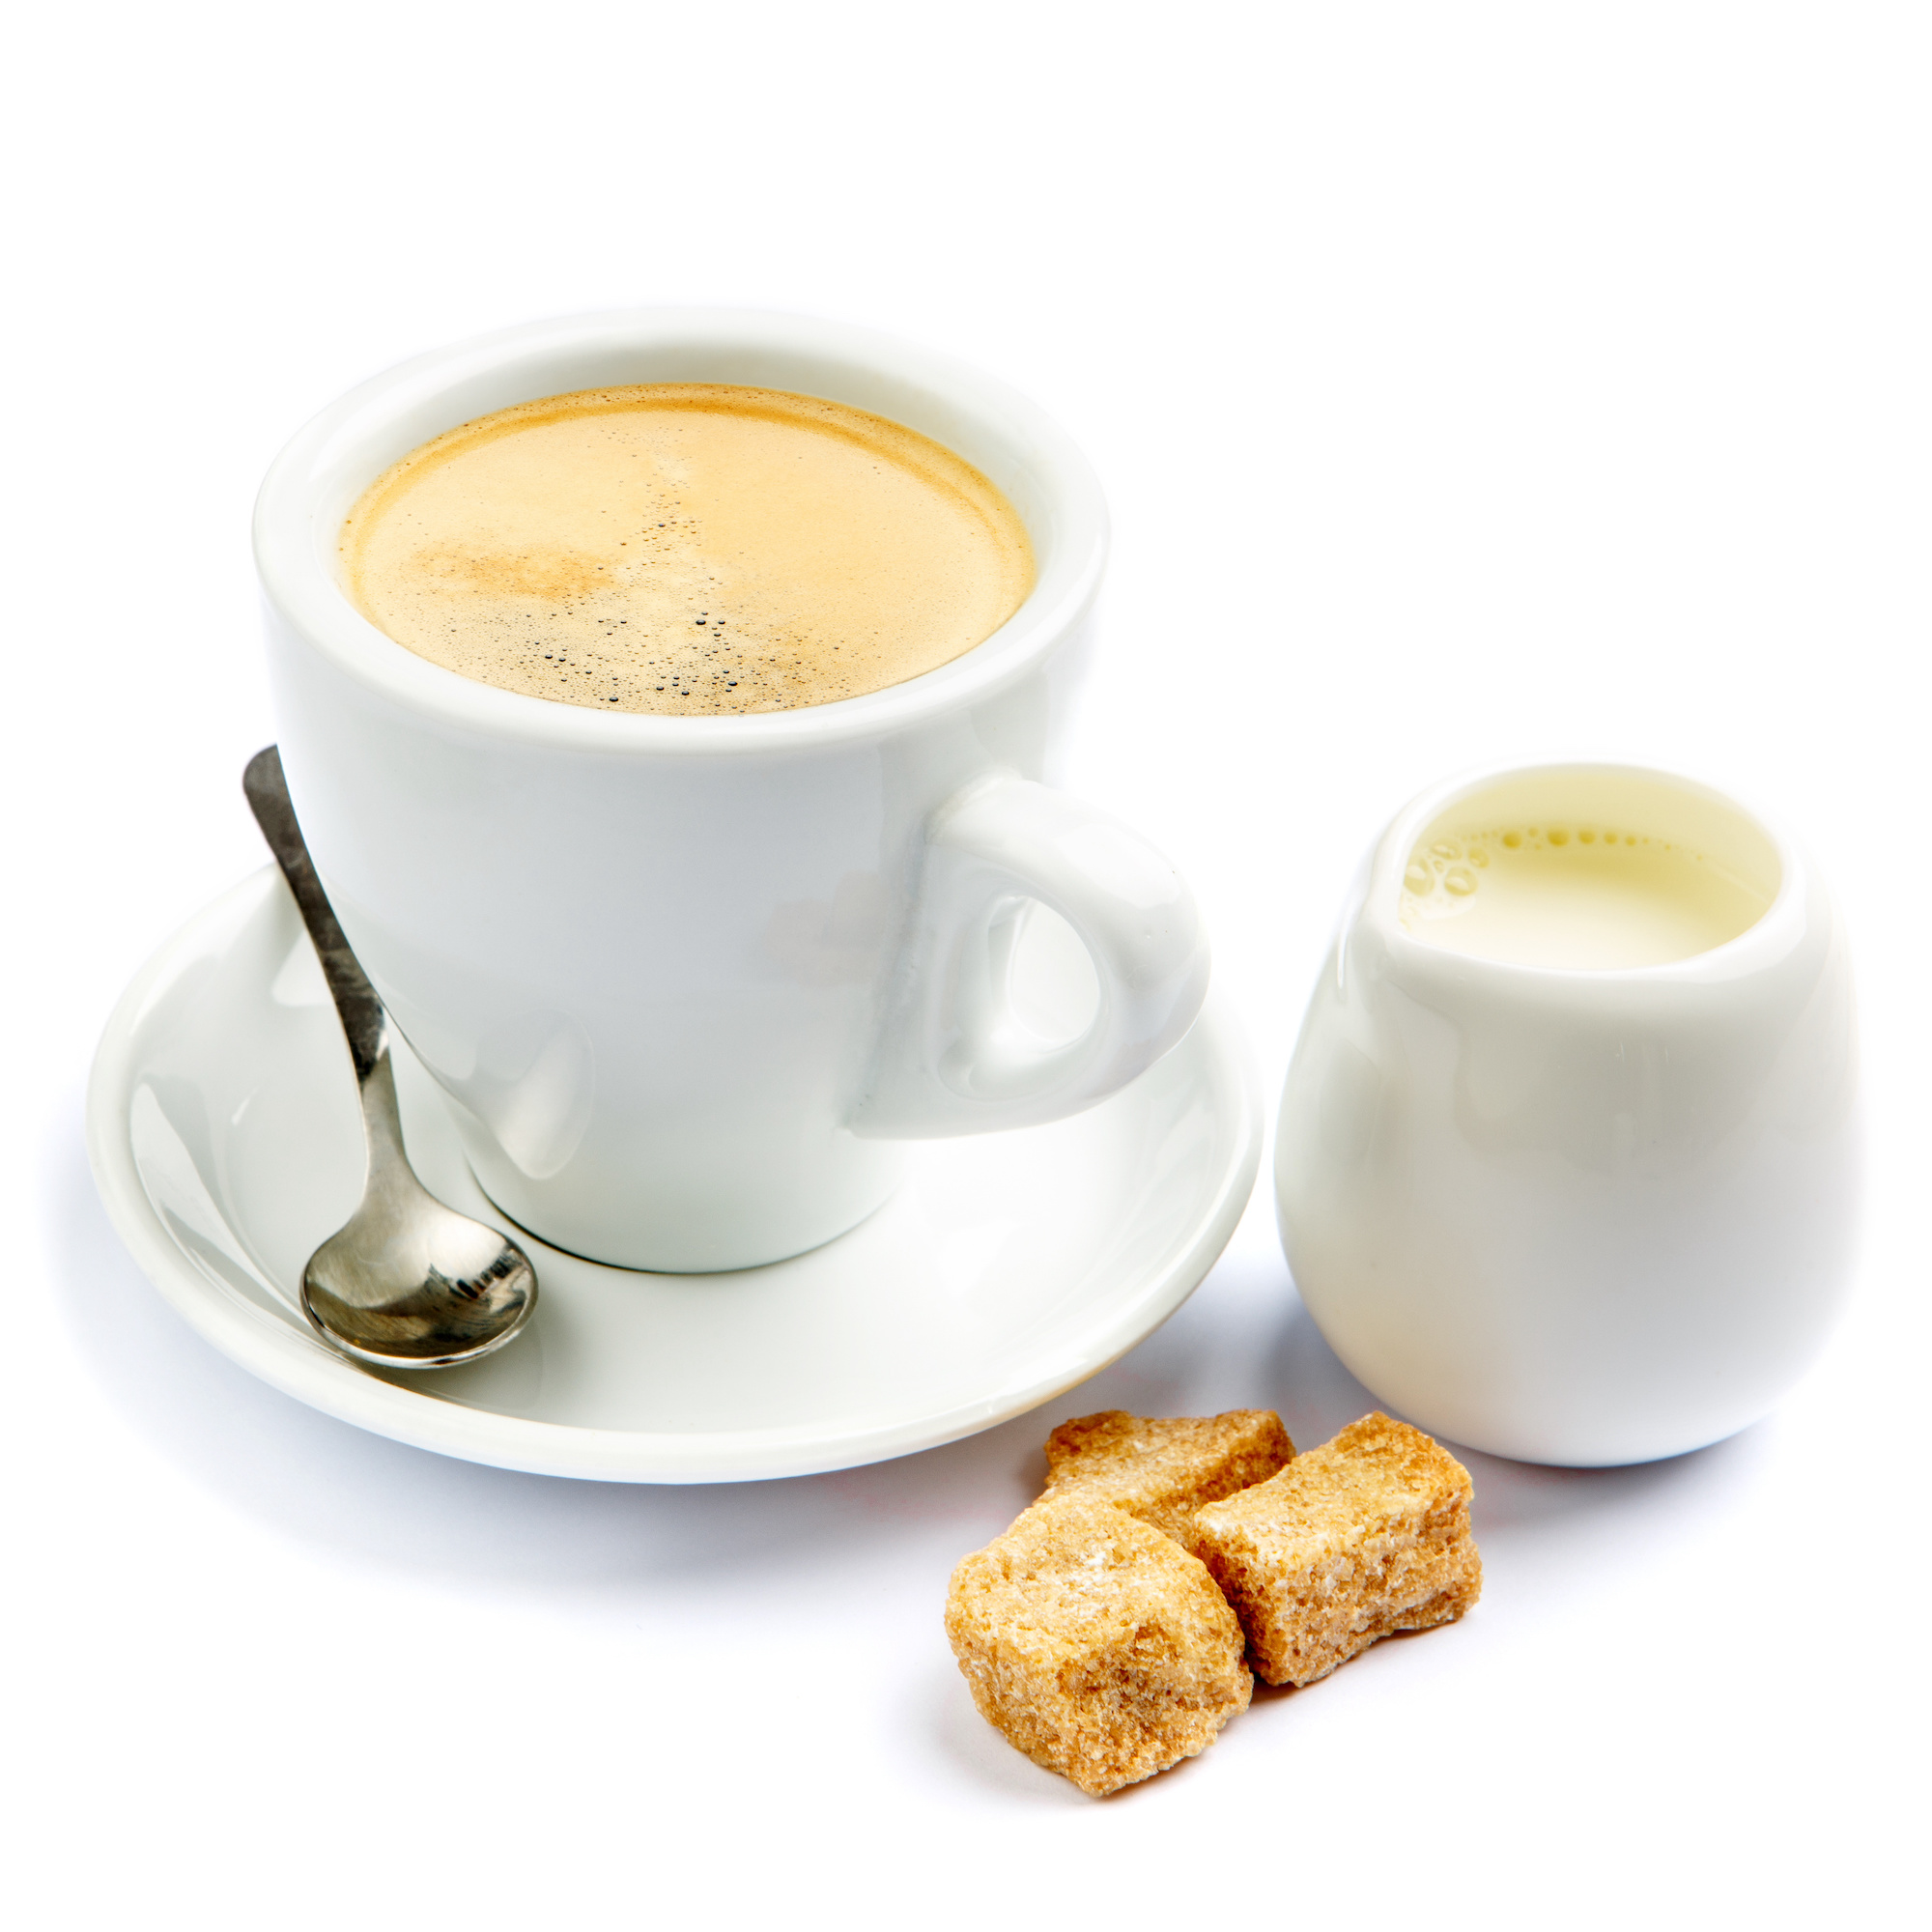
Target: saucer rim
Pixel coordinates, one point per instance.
(302, 1366)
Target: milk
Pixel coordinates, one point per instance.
(1576, 896)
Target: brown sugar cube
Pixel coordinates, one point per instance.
(1366, 1535)
(1094, 1644)
(1162, 1469)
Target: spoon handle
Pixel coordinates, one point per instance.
(357, 1002)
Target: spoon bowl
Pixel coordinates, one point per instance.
(409, 1283)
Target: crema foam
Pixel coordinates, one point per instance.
(686, 548)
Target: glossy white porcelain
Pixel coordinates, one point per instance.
(690, 984)
(224, 1135)
(1578, 1217)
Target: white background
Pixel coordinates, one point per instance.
(1469, 382)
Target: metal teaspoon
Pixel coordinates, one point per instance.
(406, 1283)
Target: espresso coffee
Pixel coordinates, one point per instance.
(686, 548)
(1575, 896)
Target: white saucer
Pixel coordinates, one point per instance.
(223, 1130)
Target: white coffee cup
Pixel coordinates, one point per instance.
(1578, 1217)
(688, 982)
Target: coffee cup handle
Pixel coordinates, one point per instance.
(953, 1056)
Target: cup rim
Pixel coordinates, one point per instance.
(303, 591)
(1771, 935)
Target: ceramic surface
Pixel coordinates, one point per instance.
(223, 1131)
(690, 984)
(1578, 1217)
